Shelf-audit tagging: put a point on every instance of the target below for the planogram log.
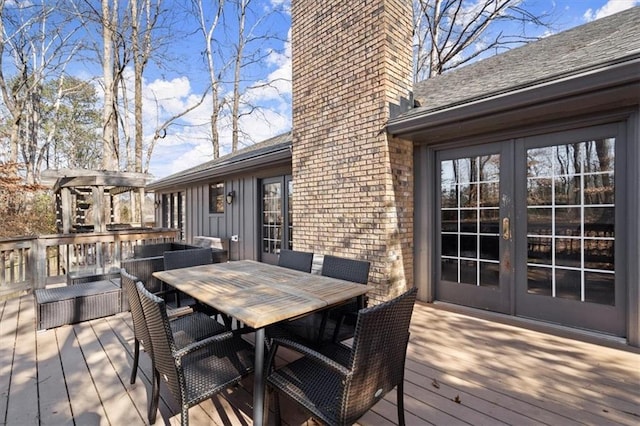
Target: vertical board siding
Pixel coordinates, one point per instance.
(241, 218)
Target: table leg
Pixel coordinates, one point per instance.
(258, 379)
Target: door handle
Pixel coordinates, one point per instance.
(506, 229)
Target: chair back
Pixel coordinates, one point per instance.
(150, 250)
(378, 353)
(185, 258)
(155, 313)
(143, 269)
(298, 260)
(356, 271)
(140, 331)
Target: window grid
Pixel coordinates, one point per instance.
(477, 256)
(272, 218)
(556, 238)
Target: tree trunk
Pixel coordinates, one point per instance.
(235, 111)
(109, 137)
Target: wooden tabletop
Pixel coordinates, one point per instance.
(259, 294)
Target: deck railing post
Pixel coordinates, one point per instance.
(38, 263)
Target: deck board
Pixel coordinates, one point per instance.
(460, 370)
(534, 365)
(54, 406)
(23, 395)
(8, 329)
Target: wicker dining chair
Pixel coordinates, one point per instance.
(342, 268)
(340, 384)
(184, 258)
(311, 329)
(298, 260)
(187, 328)
(195, 372)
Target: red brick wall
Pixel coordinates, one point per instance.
(353, 184)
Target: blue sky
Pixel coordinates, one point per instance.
(187, 144)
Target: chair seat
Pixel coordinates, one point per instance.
(300, 380)
(312, 386)
(214, 368)
(193, 327)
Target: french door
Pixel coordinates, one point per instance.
(276, 217)
(529, 227)
(474, 221)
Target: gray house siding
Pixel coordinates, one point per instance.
(241, 218)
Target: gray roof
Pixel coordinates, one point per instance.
(261, 153)
(594, 45)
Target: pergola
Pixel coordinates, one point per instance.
(68, 184)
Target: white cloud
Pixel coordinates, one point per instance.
(611, 7)
(186, 147)
(187, 142)
(284, 5)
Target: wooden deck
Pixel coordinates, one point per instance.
(460, 370)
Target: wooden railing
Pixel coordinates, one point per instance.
(28, 263)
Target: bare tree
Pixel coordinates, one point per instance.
(109, 23)
(451, 33)
(142, 26)
(40, 40)
(231, 58)
(209, 23)
(71, 121)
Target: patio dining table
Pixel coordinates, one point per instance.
(258, 295)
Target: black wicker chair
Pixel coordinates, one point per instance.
(298, 260)
(310, 330)
(158, 249)
(187, 328)
(197, 371)
(342, 383)
(353, 270)
(143, 270)
(184, 258)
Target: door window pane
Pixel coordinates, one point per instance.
(570, 224)
(449, 269)
(568, 252)
(469, 219)
(567, 285)
(489, 221)
(490, 247)
(272, 217)
(599, 288)
(539, 250)
(540, 281)
(539, 221)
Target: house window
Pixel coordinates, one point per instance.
(216, 197)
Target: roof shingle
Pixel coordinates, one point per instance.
(590, 46)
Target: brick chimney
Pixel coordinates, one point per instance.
(353, 183)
